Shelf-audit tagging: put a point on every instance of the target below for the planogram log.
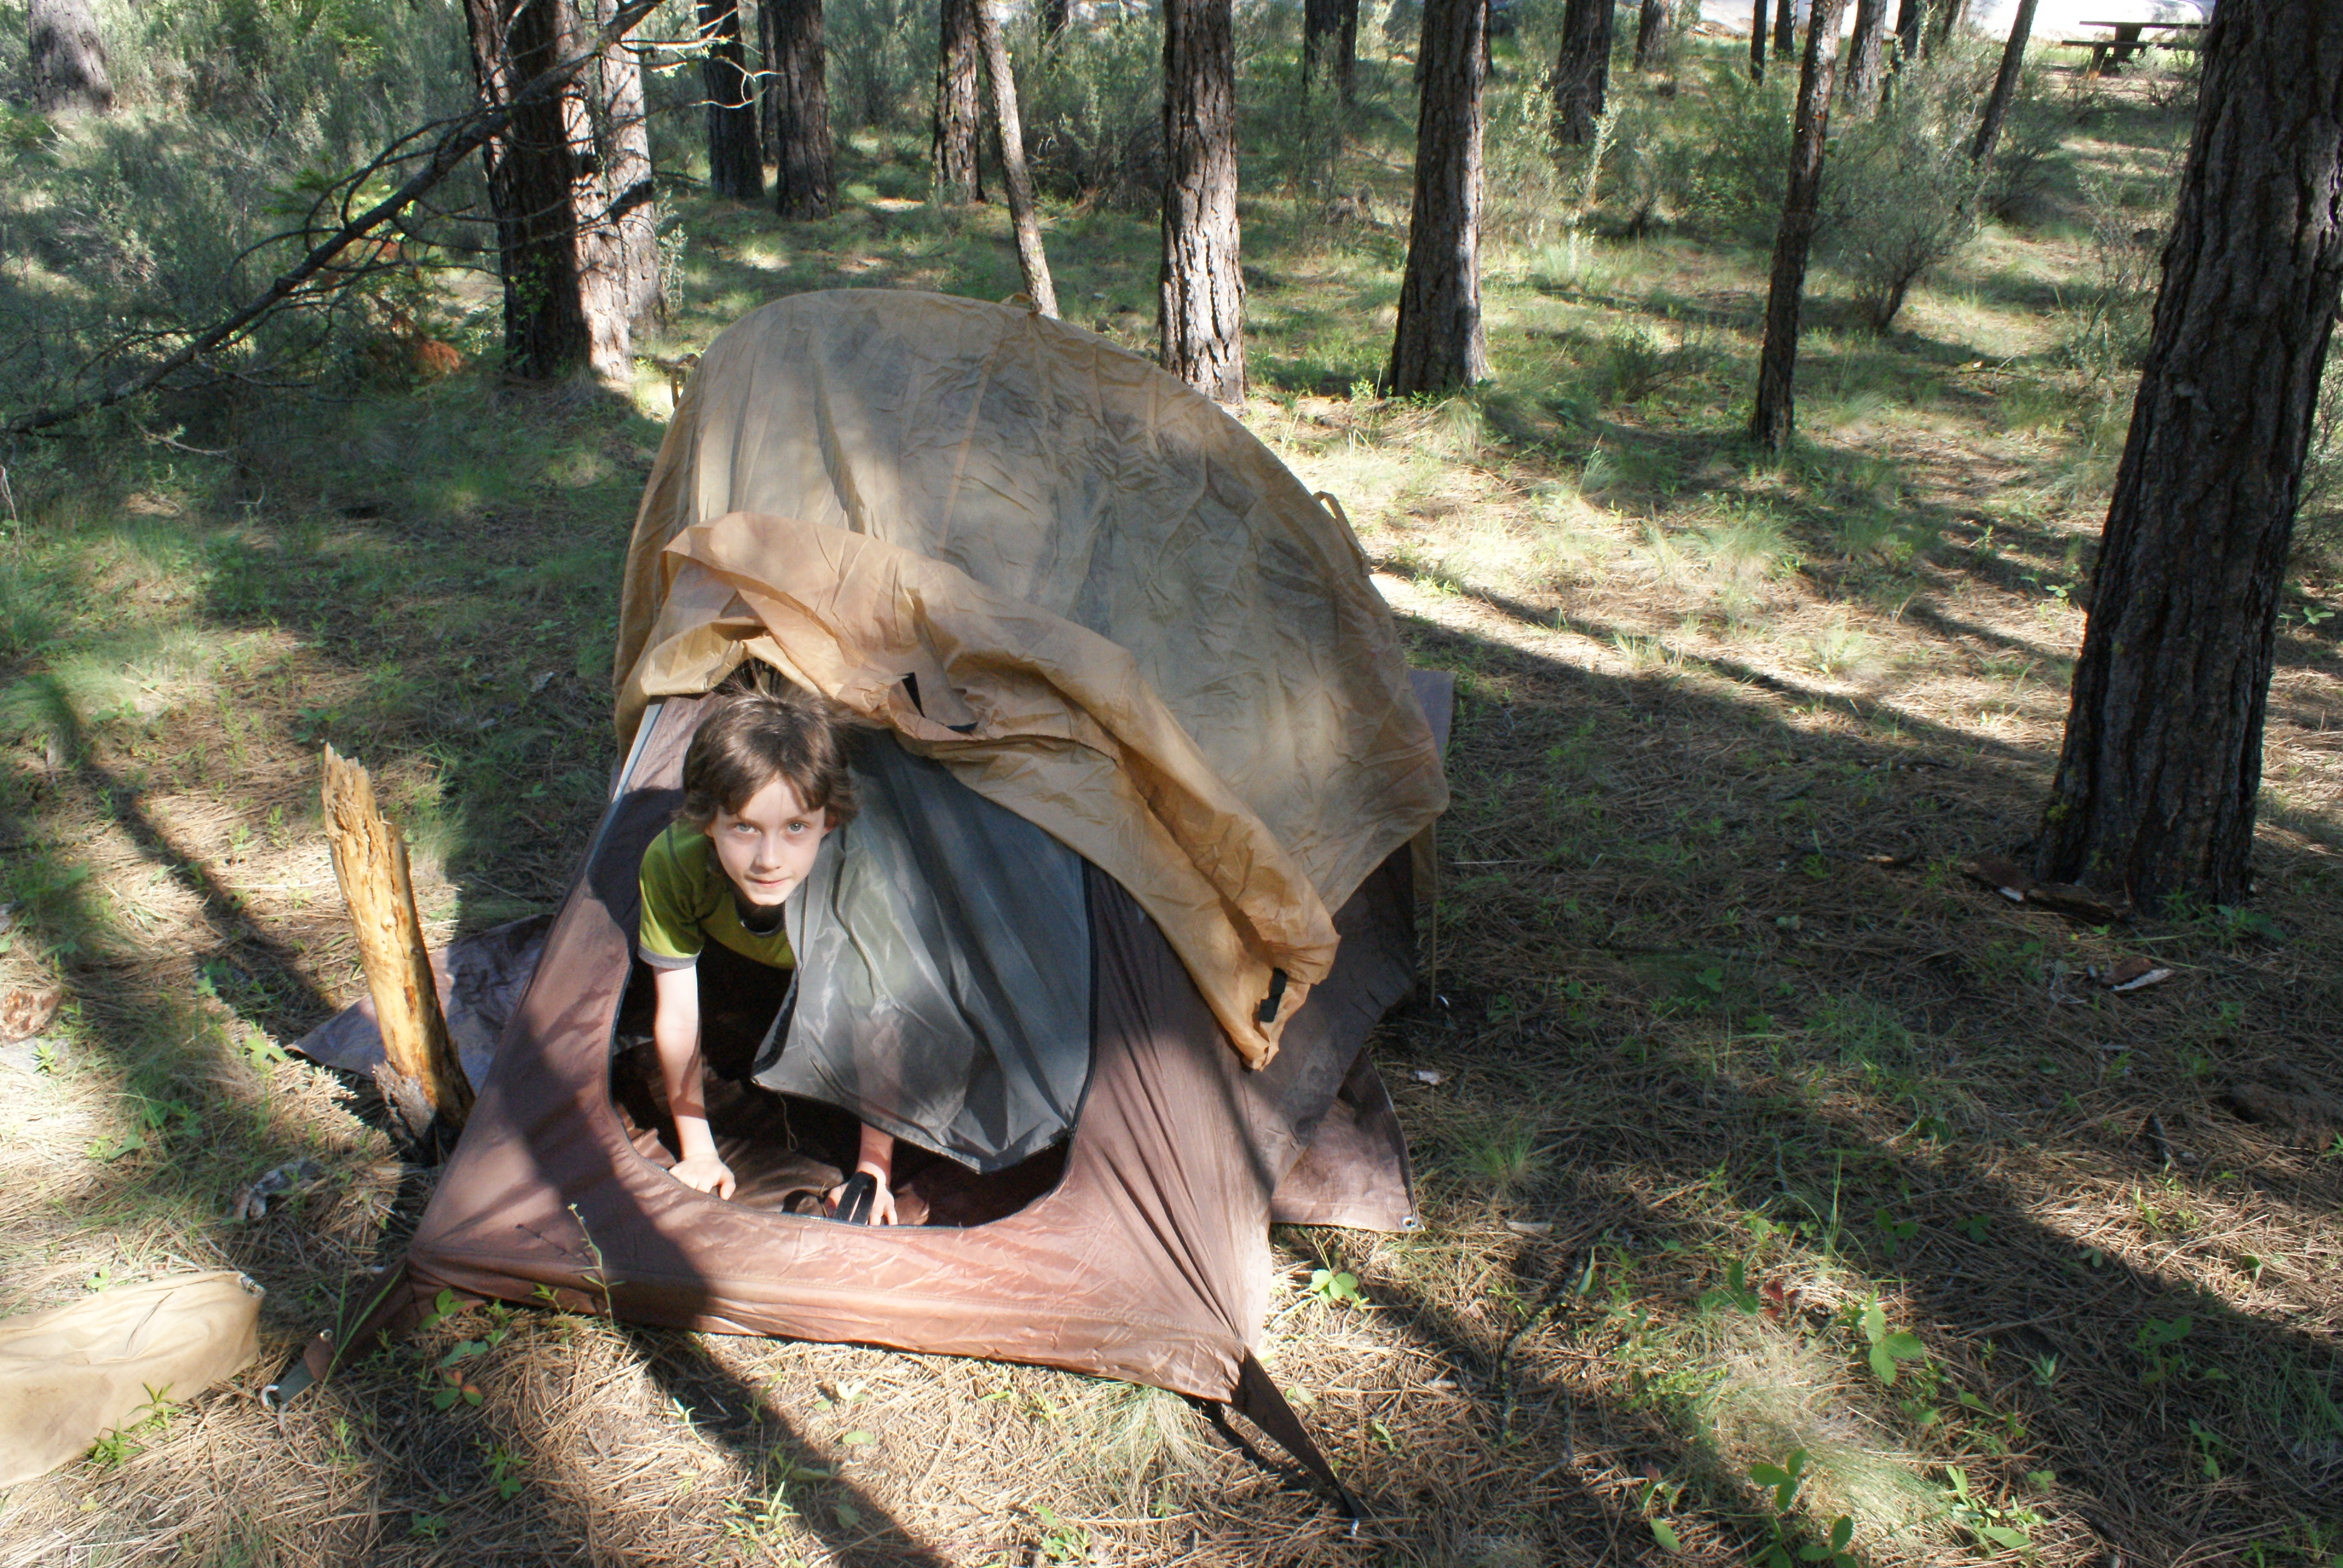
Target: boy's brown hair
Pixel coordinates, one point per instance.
(760, 728)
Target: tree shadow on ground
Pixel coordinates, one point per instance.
(1927, 1142)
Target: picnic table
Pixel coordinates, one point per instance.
(2125, 39)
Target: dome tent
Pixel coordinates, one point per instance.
(1083, 591)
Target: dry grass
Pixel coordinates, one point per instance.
(1728, 1054)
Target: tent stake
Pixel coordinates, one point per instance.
(420, 1077)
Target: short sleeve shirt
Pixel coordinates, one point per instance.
(688, 901)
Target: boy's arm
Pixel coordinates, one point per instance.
(675, 1029)
(877, 1157)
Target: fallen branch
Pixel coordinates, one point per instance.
(461, 140)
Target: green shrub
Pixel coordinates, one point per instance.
(1727, 162)
(1093, 113)
(883, 63)
(1900, 193)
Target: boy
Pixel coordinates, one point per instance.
(764, 782)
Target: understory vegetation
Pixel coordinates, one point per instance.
(1784, 1185)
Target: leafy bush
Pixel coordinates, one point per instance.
(2017, 185)
(1900, 193)
(883, 63)
(126, 228)
(1093, 113)
(2106, 326)
(1729, 165)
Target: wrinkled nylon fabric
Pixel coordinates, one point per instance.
(1170, 653)
(1147, 1262)
(75, 1373)
(943, 989)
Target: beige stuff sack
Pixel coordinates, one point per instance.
(75, 1373)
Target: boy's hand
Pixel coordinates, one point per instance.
(882, 1200)
(705, 1173)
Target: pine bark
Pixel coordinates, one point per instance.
(1200, 291)
(622, 135)
(544, 191)
(736, 159)
(1908, 15)
(1774, 415)
(805, 176)
(1581, 70)
(1439, 343)
(2161, 764)
(1944, 16)
(1862, 55)
(1329, 45)
(421, 1075)
(951, 151)
(1652, 36)
(1346, 54)
(2005, 83)
(1786, 26)
(1032, 262)
(1757, 43)
(67, 56)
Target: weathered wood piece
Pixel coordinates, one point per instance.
(421, 1078)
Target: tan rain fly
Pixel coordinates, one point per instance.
(1125, 619)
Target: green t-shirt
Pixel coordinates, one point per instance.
(688, 900)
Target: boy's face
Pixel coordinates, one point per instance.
(768, 846)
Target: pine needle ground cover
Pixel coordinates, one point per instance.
(1785, 1186)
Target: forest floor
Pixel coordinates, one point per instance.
(1729, 1092)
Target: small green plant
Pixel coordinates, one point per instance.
(110, 1449)
(1335, 1287)
(1735, 1292)
(261, 1051)
(1993, 1526)
(762, 1519)
(1060, 1541)
(1887, 1348)
(1783, 1482)
(2209, 1449)
(504, 1471)
(2235, 925)
(2155, 1339)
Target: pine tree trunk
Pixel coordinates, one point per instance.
(736, 160)
(1757, 43)
(1908, 15)
(1032, 262)
(2162, 760)
(1322, 33)
(625, 144)
(67, 56)
(1200, 293)
(603, 297)
(951, 151)
(1346, 54)
(536, 175)
(1773, 419)
(1439, 343)
(1581, 70)
(1944, 17)
(1862, 55)
(1652, 36)
(805, 177)
(2005, 83)
(1786, 26)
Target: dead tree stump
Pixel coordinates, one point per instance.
(421, 1078)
